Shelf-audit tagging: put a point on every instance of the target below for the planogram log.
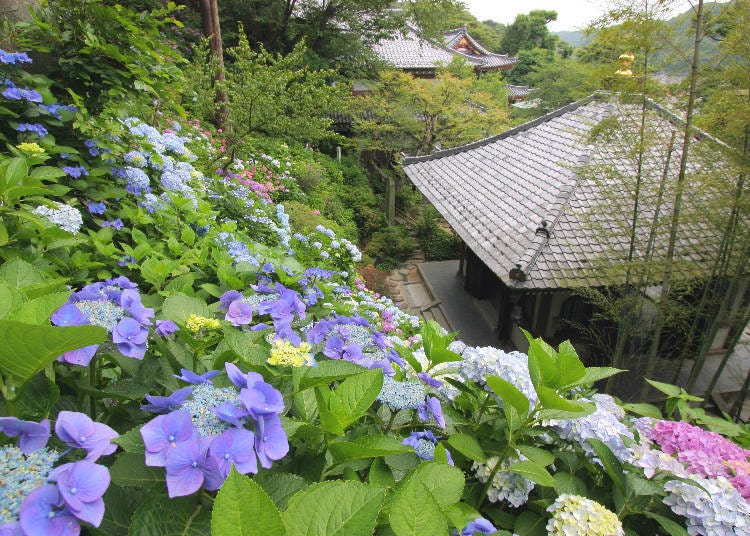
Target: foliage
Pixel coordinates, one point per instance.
(418, 115)
(529, 31)
(391, 246)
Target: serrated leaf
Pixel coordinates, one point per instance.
(543, 370)
(10, 298)
(534, 472)
(567, 483)
(666, 388)
(162, 516)
(535, 454)
(468, 446)
(328, 419)
(39, 310)
(594, 374)
(407, 354)
(647, 410)
(27, 348)
(380, 474)
(179, 308)
(367, 447)
(131, 441)
(354, 396)
(243, 508)
(326, 372)
(19, 274)
(335, 508)
(281, 486)
(551, 400)
(509, 393)
(460, 514)
(530, 524)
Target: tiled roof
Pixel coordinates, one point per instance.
(523, 203)
(412, 53)
(517, 91)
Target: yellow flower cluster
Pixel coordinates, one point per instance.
(573, 515)
(30, 148)
(285, 354)
(196, 322)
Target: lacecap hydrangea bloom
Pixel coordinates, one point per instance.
(207, 429)
(39, 495)
(115, 305)
(573, 515)
(480, 362)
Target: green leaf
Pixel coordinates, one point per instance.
(422, 497)
(18, 274)
(27, 349)
(355, 395)
(328, 419)
(131, 441)
(594, 374)
(3, 235)
(129, 470)
(534, 472)
(571, 367)
(647, 410)
(530, 524)
(46, 172)
(509, 393)
(179, 308)
(468, 446)
(672, 528)
(242, 507)
(535, 454)
(325, 372)
(380, 474)
(542, 367)
(611, 463)
(37, 397)
(367, 447)
(407, 354)
(281, 486)
(121, 504)
(551, 400)
(39, 310)
(343, 508)
(10, 298)
(245, 345)
(460, 514)
(443, 355)
(666, 388)
(567, 483)
(162, 516)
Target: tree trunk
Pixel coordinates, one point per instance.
(212, 30)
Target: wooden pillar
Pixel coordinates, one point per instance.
(390, 199)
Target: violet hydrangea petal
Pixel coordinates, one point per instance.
(43, 511)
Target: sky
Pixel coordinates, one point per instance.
(571, 14)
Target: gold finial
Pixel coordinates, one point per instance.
(625, 61)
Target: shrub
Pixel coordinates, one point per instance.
(391, 246)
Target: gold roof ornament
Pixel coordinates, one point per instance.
(625, 61)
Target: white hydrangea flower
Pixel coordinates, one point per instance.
(573, 515)
(63, 216)
(506, 486)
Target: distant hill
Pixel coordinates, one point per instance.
(577, 39)
(670, 61)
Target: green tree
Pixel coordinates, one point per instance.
(530, 31)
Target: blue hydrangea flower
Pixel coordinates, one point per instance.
(13, 58)
(36, 128)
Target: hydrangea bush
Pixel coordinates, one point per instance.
(250, 384)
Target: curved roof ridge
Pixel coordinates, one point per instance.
(485, 141)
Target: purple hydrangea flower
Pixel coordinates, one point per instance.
(13, 58)
(239, 313)
(165, 328)
(187, 468)
(431, 407)
(126, 260)
(81, 357)
(130, 300)
(480, 525)
(228, 297)
(115, 224)
(96, 208)
(79, 431)
(54, 109)
(165, 404)
(36, 128)
(69, 315)
(270, 440)
(75, 171)
(234, 447)
(81, 485)
(230, 413)
(261, 399)
(44, 511)
(164, 433)
(130, 337)
(429, 380)
(189, 376)
(31, 435)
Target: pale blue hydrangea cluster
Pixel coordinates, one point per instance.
(480, 362)
(440, 372)
(101, 313)
(402, 395)
(152, 203)
(136, 180)
(237, 249)
(720, 512)
(63, 216)
(205, 399)
(506, 486)
(20, 474)
(605, 424)
(424, 448)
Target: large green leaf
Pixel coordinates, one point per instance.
(325, 372)
(530, 524)
(120, 503)
(535, 454)
(179, 308)
(611, 464)
(18, 274)
(551, 400)
(39, 310)
(355, 395)
(162, 516)
(509, 393)
(367, 447)
(281, 486)
(10, 298)
(468, 446)
(571, 367)
(542, 367)
(335, 508)
(594, 374)
(246, 345)
(242, 508)
(672, 528)
(534, 472)
(27, 349)
(129, 470)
